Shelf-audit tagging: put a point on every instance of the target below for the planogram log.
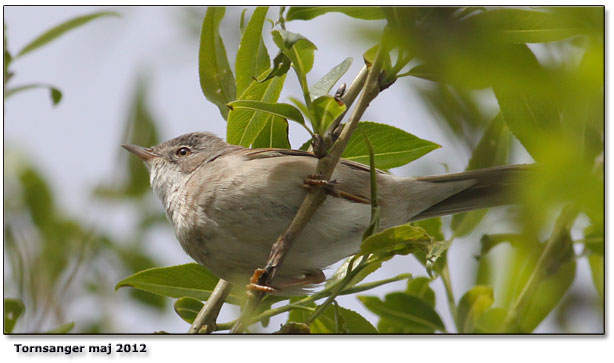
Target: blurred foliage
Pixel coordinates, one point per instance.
(56, 260)
(491, 76)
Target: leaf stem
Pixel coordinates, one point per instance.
(447, 283)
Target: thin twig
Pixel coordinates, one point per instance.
(325, 293)
(205, 320)
(447, 283)
(315, 196)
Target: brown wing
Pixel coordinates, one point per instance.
(271, 153)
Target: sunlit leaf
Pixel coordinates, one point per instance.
(310, 12)
(252, 56)
(402, 239)
(245, 125)
(297, 48)
(475, 302)
(393, 147)
(189, 280)
(216, 78)
(13, 310)
(282, 110)
(60, 29)
(432, 226)
(324, 85)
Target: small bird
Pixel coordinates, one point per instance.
(228, 204)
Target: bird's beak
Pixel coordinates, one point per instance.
(145, 154)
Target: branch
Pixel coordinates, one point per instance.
(315, 196)
(205, 320)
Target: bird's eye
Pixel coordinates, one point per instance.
(183, 151)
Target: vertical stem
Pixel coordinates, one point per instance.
(447, 283)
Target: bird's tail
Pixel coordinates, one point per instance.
(485, 188)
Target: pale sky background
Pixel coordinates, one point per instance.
(76, 144)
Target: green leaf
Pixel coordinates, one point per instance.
(369, 57)
(594, 247)
(13, 310)
(187, 308)
(597, 265)
(60, 29)
(401, 240)
(525, 26)
(333, 320)
(594, 239)
(531, 113)
(393, 147)
(62, 329)
(191, 280)
(492, 150)
(343, 321)
(491, 321)
(294, 328)
(550, 278)
(358, 12)
(216, 78)
(282, 110)
(281, 65)
(273, 135)
(403, 313)
(297, 48)
(38, 198)
(301, 106)
(252, 56)
(432, 226)
(54, 93)
(323, 111)
(475, 302)
(419, 287)
(244, 125)
(324, 85)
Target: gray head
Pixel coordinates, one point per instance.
(172, 162)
